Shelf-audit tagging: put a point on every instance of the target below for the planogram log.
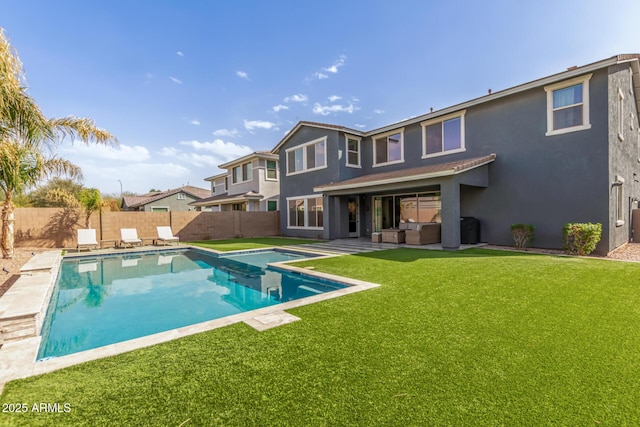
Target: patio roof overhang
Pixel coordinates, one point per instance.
(406, 178)
(225, 199)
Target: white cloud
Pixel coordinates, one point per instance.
(331, 69)
(325, 110)
(339, 63)
(334, 98)
(242, 75)
(360, 126)
(177, 81)
(195, 122)
(258, 124)
(219, 149)
(205, 154)
(122, 152)
(298, 97)
(169, 151)
(179, 53)
(229, 133)
(378, 111)
(279, 107)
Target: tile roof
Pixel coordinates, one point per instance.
(413, 174)
(136, 201)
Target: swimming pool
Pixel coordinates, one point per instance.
(102, 300)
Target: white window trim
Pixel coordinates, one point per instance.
(240, 166)
(153, 207)
(306, 218)
(619, 201)
(346, 150)
(266, 170)
(586, 124)
(304, 156)
(443, 119)
(181, 196)
(385, 135)
(620, 115)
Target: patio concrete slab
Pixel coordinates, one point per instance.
(17, 359)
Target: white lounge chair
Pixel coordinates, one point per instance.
(165, 235)
(129, 237)
(87, 238)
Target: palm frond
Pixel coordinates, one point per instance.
(83, 129)
(57, 166)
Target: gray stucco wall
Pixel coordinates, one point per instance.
(173, 203)
(542, 180)
(623, 152)
(302, 184)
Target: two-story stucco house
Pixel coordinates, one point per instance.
(250, 183)
(564, 148)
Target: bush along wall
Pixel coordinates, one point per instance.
(522, 235)
(581, 238)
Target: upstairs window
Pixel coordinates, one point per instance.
(568, 106)
(353, 151)
(272, 170)
(307, 157)
(242, 173)
(181, 196)
(388, 148)
(444, 135)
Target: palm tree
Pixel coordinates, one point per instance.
(28, 139)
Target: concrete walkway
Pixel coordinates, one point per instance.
(363, 245)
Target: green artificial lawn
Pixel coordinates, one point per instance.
(249, 243)
(477, 337)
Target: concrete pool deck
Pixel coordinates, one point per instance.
(18, 355)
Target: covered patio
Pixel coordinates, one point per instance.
(360, 206)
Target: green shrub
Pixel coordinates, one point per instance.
(580, 238)
(522, 234)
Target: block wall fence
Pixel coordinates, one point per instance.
(56, 227)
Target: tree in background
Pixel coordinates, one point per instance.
(28, 139)
(41, 197)
(90, 202)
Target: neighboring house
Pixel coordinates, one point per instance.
(564, 148)
(249, 184)
(177, 199)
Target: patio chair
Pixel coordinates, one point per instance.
(165, 235)
(129, 237)
(87, 239)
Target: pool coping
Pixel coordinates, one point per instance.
(18, 358)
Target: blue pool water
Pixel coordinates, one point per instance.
(104, 300)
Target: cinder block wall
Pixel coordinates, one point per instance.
(56, 227)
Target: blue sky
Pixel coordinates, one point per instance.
(188, 85)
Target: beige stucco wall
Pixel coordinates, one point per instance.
(56, 227)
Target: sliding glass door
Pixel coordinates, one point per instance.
(389, 211)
